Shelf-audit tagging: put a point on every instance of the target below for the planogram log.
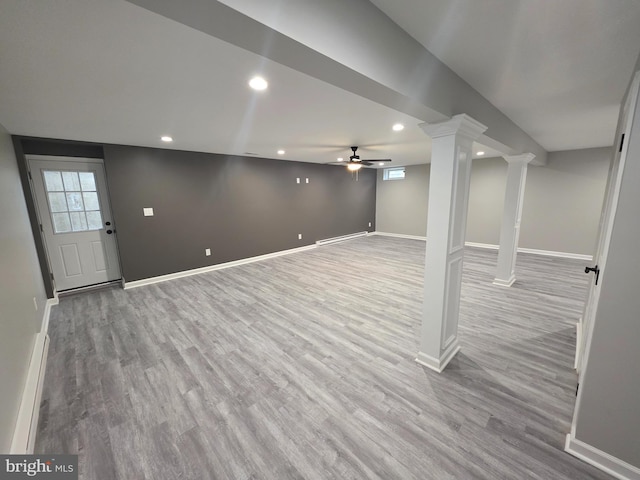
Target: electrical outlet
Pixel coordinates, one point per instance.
(299, 236)
(207, 252)
(35, 303)
(369, 223)
(147, 212)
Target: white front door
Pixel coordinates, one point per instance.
(75, 218)
(606, 225)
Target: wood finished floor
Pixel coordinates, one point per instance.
(303, 366)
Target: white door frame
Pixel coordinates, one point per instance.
(70, 160)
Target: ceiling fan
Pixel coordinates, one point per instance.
(355, 163)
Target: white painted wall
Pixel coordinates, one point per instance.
(561, 210)
(401, 205)
(20, 283)
(563, 201)
(486, 200)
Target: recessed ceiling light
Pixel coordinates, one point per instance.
(340, 159)
(280, 152)
(480, 154)
(258, 83)
(397, 127)
(166, 138)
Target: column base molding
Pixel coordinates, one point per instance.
(504, 283)
(439, 364)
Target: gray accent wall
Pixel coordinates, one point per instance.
(21, 283)
(608, 414)
(239, 207)
(561, 211)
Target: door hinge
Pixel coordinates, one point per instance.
(41, 229)
(51, 276)
(29, 173)
(621, 142)
(577, 387)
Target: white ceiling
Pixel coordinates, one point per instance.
(109, 71)
(556, 68)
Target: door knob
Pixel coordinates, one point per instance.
(107, 223)
(109, 232)
(595, 270)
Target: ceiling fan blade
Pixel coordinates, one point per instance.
(366, 162)
(377, 160)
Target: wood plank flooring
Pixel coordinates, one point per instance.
(303, 366)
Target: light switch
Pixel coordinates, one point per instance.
(307, 180)
(299, 236)
(297, 179)
(207, 252)
(148, 212)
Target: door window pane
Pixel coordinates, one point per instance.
(61, 222)
(57, 202)
(91, 201)
(53, 181)
(78, 221)
(94, 220)
(74, 200)
(71, 182)
(87, 181)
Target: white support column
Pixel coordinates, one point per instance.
(446, 228)
(511, 217)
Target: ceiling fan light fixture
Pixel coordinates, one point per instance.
(354, 167)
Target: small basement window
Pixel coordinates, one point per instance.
(396, 173)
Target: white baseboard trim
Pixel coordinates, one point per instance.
(550, 253)
(578, 342)
(504, 283)
(211, 268)
(439, 364)
(599, 459)
(28, 413)
(490, 246)
(399, 235)
(342, 238)
(24, 435)
(534, 251)
(47, 313)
